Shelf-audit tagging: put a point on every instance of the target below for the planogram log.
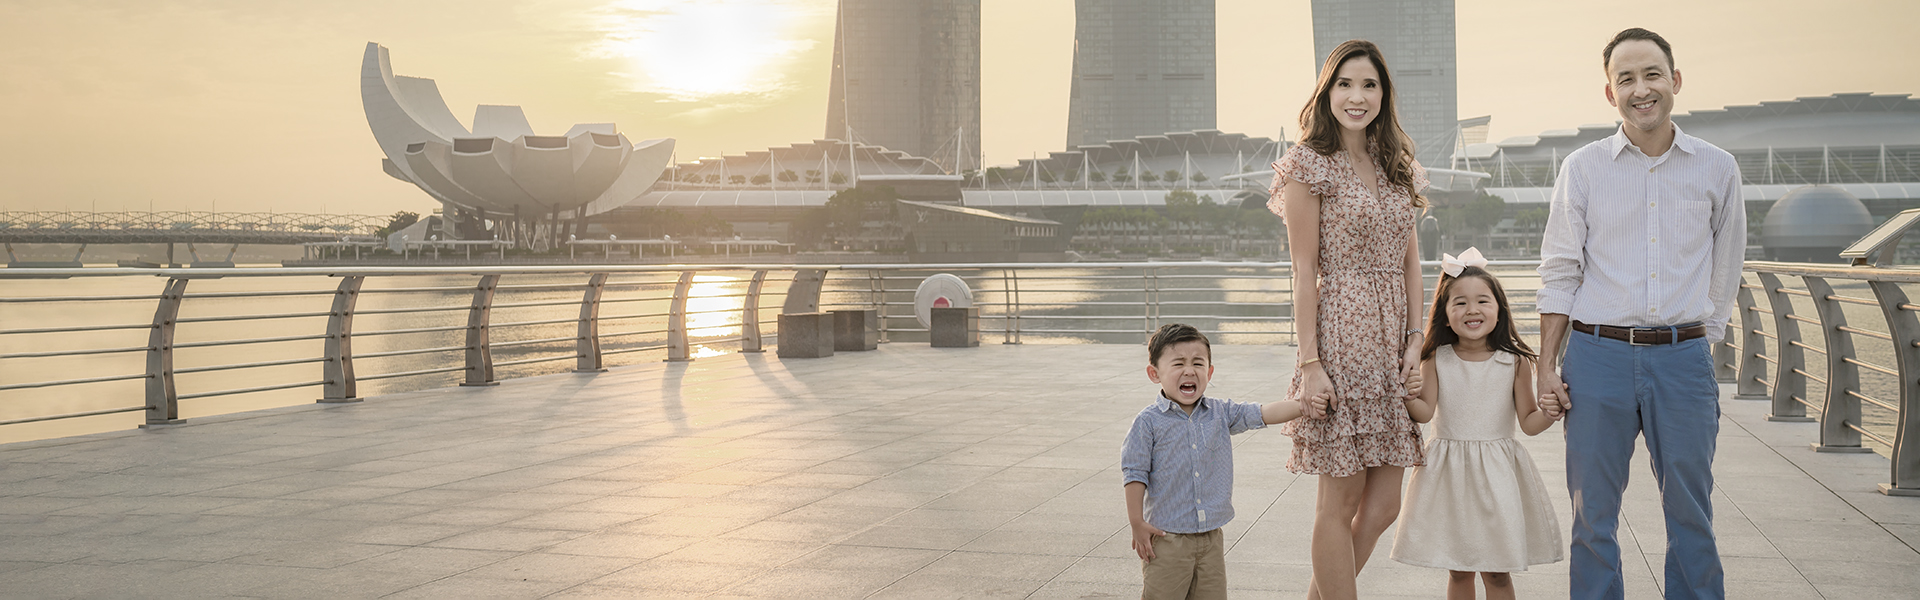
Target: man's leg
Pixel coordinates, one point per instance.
(1682, 420)
(1601, 427)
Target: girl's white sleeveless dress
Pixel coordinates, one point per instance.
(1478, 504)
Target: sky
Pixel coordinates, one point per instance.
(253, 105)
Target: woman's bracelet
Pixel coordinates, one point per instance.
(1304, 363)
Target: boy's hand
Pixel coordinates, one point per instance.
(1314, 407)
(1143, 535)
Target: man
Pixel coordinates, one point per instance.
(1642, 259)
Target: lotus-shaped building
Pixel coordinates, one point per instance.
(500, 167)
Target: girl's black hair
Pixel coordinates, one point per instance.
(1504, 337)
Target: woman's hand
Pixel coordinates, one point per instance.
(1410, 364)
(1314, 383)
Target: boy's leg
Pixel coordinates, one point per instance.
(1209, 567)
(1681, 423)
(1601, 428)
(1170, 574)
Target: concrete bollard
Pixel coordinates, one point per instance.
(805, 335)
(856, 330)
(956, 327)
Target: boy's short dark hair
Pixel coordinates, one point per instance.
(1636, 33)
(1174, 333)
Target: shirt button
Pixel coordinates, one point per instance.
(1649, 169)
(1653, 276)
(1652, 310)
(1652, 204)
(1653, 240)
(1196, 473)
(1194, 446)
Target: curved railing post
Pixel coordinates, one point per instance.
(587, 347)
(1725, 355)
(163, 402)
(750, 340)
(678, 349)
(479, 349)
(803, 295)
(1753, 345)
(1906, 351)
(341, 385)
(1842, 376)
(1790, 360)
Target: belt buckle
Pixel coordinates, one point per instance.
(1632, 340)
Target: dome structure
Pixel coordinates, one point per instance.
(1813, 223)
(500, 166)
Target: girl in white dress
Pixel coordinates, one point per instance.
(1478, 505)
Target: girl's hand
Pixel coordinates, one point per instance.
(1414, 383)
(1314, 383)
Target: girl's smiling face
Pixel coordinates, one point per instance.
(1472, 310)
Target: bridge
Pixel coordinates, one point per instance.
(905, 472)
(176, 227)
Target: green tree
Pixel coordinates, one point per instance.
(1198, 176)
(713, 178)
(762, 179)
(736, 179)
(1172, 176)
(1096, 176)
(399, 220)
(788, 176)
(1148, 177)
(847, 209)
(837, 178)
(813, 176)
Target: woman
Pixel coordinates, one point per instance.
(1348, 193)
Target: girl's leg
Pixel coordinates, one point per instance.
(1460, 585)
(1333, 543)
(1499, 585)
(1379, 506)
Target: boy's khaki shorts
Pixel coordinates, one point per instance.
(1186, 565)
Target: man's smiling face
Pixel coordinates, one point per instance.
(1642, 82)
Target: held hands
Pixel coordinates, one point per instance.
(1143, 535)
(1315, 407)
(1315, 386)
(1555, 396)
(1410, 365)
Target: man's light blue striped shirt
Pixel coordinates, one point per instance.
(1636, 241)
(1186, 461)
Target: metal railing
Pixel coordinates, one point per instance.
(1114, 302)
(1847, 404)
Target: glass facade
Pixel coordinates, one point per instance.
(1141, 67)
(1417, 37)
(906, 76)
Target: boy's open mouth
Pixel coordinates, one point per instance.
(1188, 388)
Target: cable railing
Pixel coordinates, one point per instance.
(259, 330)
(1765, 356)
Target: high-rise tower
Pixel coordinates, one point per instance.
(906, 75)
(1141, 67)
(1417, 38)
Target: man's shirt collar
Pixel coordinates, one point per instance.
(1619, 142)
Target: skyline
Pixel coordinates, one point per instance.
(192, 105)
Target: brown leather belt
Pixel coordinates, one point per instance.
(1643, 336)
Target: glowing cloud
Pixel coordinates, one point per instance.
(692, 50)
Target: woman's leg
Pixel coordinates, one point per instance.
(1499, 586)
(1379, 506)
(1460, 585)
(1333, 542)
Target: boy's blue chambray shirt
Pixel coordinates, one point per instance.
(1186, 461)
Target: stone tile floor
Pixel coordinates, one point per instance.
(909, 472)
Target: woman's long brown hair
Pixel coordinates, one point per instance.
(1323, 129)
(1505, 336)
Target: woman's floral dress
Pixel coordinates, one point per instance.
(1363, 316)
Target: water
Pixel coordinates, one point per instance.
(1236, 304)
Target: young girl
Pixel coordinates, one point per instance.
(1478, 505)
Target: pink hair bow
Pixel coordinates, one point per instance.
(1454, 265)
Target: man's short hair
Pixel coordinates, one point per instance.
(1174, 333)
(1636, 33)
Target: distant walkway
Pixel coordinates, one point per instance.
(908, 472)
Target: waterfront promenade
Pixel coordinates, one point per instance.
(907, 472)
